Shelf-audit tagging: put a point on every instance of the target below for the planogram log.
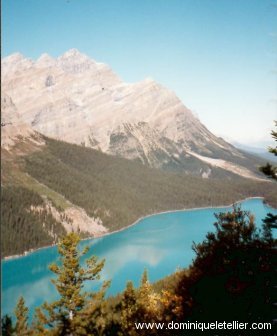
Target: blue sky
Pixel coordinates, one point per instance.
(219, 56)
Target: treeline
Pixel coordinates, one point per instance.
(231, 279)
(25, 222)
(116, 190)
(120, 191)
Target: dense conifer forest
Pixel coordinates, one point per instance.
(118, 191)
(23, 228)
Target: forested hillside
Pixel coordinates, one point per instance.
(22, 228)
(115, 190)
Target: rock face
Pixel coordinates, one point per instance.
(12, 125)
(78, 100)
(73, 219)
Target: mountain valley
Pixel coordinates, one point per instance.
(82, 150)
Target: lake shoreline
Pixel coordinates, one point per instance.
(25, 253)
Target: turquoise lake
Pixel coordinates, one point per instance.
(161, 243)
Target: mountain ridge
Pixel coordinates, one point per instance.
(76, 99)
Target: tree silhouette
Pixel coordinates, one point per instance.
(268, 169)
(7, 326)
(233, 274)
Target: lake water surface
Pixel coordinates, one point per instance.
(161, 243)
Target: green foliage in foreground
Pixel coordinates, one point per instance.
(234, 273)
(68, 315)
(231, 279)
(21, 313)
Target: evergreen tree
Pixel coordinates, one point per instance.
(234, 228)
(128, 310)
(38, 324)
(21, 313)
(144, 291)
(64, 316)
(171, 306)
(144, 278)
(233, 275)
(268, 169)
(93, 320)
(7, 326)
(270, 222)
(148, 302)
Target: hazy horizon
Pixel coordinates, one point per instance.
(217, 56)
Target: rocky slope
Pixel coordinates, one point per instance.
(78, 100)
(12, 125)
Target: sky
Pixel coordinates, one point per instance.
(218, 56)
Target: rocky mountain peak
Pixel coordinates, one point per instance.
(45, 61)
(14, 63)
(78, 100)
(13, 58)
(73, 61)
(73, 53)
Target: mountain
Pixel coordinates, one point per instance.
(81, 150)
(258, 151)
(13, 128)
(78, 100)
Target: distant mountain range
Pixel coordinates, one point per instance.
(78, 100)
(261, 152)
